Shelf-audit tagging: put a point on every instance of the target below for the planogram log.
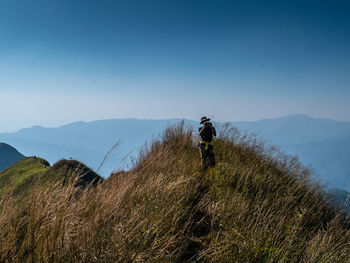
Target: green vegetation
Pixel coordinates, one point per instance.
(255, 206)
(24, 176)
(20, 176)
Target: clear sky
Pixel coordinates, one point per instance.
(69, 60)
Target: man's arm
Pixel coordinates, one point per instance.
(201, 130)
(213, 131)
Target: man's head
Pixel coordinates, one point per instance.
(204, 120)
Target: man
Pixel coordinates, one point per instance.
(207, 131)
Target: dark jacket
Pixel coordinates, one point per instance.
(207, 131)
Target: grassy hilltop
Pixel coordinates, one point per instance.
(254, 206)
(20, 178)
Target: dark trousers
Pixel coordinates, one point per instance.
(207, 155)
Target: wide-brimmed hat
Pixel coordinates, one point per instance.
(204, 119)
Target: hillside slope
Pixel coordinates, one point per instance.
(65, 171)
(8, 156)
(255, 206)
(20, 176)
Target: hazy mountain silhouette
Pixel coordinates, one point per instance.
(8, 156)
(330, 158)
(88, 141)
(341, 198)
(296, 129)
(323, 144)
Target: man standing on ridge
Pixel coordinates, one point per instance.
(207, 131)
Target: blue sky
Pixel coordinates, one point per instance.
(67, 60)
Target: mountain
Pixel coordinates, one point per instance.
(88, 142)
(254, 206)
(341, 198)
(296, 129)
(322, 144)
(8, 156)
(329, 158)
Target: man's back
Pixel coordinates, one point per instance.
(207, 131)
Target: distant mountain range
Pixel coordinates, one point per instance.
(297, 129)
(340, 198)
(8, 156)
(88, 142)
(322, 144)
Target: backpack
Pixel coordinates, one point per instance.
(208, 132)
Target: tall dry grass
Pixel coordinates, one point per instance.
(255, 206)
